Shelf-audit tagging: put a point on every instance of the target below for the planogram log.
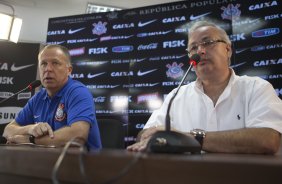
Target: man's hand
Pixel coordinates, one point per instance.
(144, 139)
(18, 139)
(40, 129)
(139, 146)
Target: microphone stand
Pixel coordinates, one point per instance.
(5, 99)
(168, 141)
(31, 86)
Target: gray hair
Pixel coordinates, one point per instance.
(62, 48)
(223, 35)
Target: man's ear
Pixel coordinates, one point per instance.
(229, 50)
(70, 69)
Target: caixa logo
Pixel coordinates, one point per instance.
(139, 126)
(56, 32)
(265, 32)
(122, 48)
(99, 99)
(263, 5)
(268, 62)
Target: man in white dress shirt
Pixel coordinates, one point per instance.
(226, 113)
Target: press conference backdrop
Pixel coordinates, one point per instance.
(131, 59)
(18, 66)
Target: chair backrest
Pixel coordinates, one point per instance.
(2, 127)
(112, 133)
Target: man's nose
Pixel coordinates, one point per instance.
(201, 50)
(48, 67)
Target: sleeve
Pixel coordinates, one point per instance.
(81, 106)
(265, 107)
(25, 116)
(158, 116)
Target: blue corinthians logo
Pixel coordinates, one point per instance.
(121, 49)
(265, 32)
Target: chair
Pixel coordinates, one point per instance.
(112, 133)
(2, 127)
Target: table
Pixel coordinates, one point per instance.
(25, 164)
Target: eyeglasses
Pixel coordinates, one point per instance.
(205, 44)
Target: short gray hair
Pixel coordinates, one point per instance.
(62, 48)
(223, 35)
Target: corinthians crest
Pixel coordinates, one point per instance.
(99, 28)
(60, 115)
(231, 12)
(174, 70)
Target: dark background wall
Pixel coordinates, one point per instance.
(131, 59)
(18, 67)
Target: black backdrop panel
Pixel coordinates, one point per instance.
(131, 59)
(18, 67)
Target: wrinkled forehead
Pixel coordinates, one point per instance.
(203, 34)
(52, 54)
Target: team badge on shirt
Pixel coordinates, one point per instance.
(60, 115)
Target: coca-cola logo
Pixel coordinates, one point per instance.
(150, 46)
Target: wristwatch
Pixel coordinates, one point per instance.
(199, 135)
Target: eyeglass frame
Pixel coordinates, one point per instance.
(203, 44)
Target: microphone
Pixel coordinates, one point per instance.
(31, 86)
(168, 141)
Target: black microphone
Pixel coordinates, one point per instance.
(168, 141)
(31, 86)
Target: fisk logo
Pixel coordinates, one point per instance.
(102, 50)
(265, 32)
(6, 80)
(278, 91)
(173, 44)
(237, 37)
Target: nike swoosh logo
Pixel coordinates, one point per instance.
(154, 84)
(90, 76)
(114, 86)
(240, 50)
(192, 17)
(145, 73)
(140, 24)
(165, 32)
(76, 30)
(139, 60)
(55, 43)
(178, 57)
(234, 66)
(36, 116)
(253, 21)
(14, 68)
(126, 37)
(92, 40)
